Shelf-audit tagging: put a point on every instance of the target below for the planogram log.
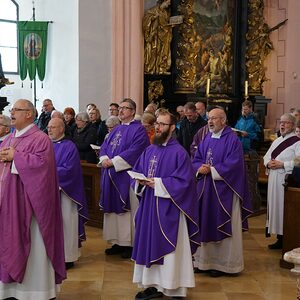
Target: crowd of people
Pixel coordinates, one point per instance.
(174, 192)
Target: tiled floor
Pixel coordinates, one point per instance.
(97, 276)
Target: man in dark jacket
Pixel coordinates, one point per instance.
(45, 115)
(189, 125)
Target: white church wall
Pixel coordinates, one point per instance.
(95, 54)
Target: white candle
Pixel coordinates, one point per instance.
(246, 88)
(207, 86)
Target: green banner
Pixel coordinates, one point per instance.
(32, 38)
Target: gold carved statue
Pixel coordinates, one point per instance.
(157, 36)
(155, 90)
(259, 46)
(187, 49)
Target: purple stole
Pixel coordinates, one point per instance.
(285, 144)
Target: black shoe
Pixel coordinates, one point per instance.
(149, 293)
(127, 252)
(198, 271)
(115, 249)
(276, 245)
(69, 265)
(216, 273)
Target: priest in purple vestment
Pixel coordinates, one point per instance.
(167, 218)
(73, 200)
(225, 202)
(31, 229)
(118, 153)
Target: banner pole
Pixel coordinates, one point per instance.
(34, 80)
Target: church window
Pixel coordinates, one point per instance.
(9, 15)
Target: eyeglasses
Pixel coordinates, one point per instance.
(18, 109)
(161, 124)
(285, 122)
(214, 118)
(124, 107)
(113, 109)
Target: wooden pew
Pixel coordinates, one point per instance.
(91, 177)
(291, 223)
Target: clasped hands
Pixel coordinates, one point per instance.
(204, 169)
(275, 164)
(106, 163)
(7, 154)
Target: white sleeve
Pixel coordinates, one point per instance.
(14, 168)
(120, 164)
(214, 174)
(159, 189)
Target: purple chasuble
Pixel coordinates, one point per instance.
(157, 219)
(71, 180)
(32, 192)
(225, 154)
(128, 142)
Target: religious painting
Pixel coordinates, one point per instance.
(214, 24)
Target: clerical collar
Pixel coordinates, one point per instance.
(22, 131)
(128, 123)
(288, 135)
(218, 134)
(59, 140)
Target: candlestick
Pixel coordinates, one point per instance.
(207, 86)
(246, 88)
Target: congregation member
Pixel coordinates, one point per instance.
(180, 111)
(98, 124)
(148, 121)
(191, 123)
(89, 107)
(279, 161)
(69, 118)
(84, 135)
(4, 127)
(118, 153)
(113, 109)
(45, 116)
(112, 122)
(225, 201)
(248, 128)
(167, 217)
(151, 108)
(72, 194)
(297, 129)
(31, 229)
(296, 114)
(201, 109)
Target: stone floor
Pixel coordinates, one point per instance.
(97, 276)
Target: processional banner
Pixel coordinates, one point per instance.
(32, 38)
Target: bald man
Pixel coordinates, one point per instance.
(73, 201)
(224, 199)
(31, 229)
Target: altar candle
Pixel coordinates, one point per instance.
(246, 88)
(207, 86)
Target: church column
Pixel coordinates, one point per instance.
(127, 48)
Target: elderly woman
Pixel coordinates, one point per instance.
(98, 124)
(148, 120)
(112, 122)
(84, 135)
